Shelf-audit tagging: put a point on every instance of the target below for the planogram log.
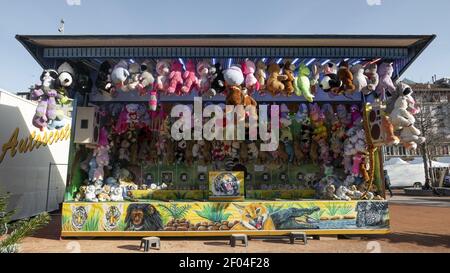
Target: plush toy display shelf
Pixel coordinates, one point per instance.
(128, 177)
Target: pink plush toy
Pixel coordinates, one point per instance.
(190, 79)
(385, 72)
(248, 69)
(175, 77)
(163, 70)
(357, 160)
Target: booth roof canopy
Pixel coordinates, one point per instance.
(218, 40)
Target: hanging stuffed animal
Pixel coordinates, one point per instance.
(359, 79)
(217, 80)
(190, 79)
(288, 71)
(46, 96)
(371, 72)
(234, 78)
(303, 84)
(385, 72)
(163, 71)
(330, 81)
(146, 81)
(275, 81)
(346, 77)
(65, 82)
(203, 70)
(315, 76)
(134, 77)
(180, 152)
(103, 81)
(403, 121)
(355, 116)
(261, 76)
(119, 75)
(248, 69)
(175, 77)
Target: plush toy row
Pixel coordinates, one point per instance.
(54, 91)
(240, 80)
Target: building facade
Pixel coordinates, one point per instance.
(433, 121)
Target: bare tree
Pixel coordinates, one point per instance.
(429, 119)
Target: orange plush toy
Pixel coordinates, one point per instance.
(346, 76)
(390, 137)
(274, 82)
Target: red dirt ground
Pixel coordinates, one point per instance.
(414, 229)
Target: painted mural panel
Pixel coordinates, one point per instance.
(224, 216)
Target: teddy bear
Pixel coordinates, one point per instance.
(190, 79)
(359, 79)
(203, 70)
(119, 75)
(175, 77)
(302, 84)
(275, 81)
(233, 79)
(261, 76)
(163, 71)
(371, 72)
(318, 122)
(217, 80)
(116, 194)
(134, 77)
(249, 69)
(147, 79)
(288, 71)
(103, 81)
(403, 121)
(346, 77)
(90, 195)
(385, 72)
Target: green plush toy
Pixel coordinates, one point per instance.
(302, 83)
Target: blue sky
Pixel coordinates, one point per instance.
(18, 70)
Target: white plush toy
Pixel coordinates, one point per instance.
(341, 193)
(404, 121)
(117, 194)
(135, 75)
(359, 79)
(90, 194)
(120, 74)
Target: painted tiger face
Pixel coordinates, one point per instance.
(112, 217)
(79, 217)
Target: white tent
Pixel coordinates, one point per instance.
(419, 160)
(395, 161)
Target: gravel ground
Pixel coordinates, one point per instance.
(414, 229)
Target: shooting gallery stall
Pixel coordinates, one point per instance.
(334, 98)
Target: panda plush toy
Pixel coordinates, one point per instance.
(66, 75)
(330, 83)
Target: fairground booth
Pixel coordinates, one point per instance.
(299, 122)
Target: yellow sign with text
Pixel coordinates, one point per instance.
(33, 142)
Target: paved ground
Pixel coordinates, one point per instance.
(418, 225)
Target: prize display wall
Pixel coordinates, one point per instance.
(128, 176)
